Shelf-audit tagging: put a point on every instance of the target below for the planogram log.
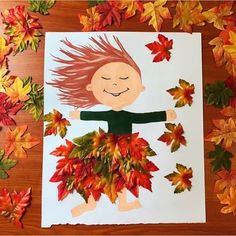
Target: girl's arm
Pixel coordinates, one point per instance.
(88, 115)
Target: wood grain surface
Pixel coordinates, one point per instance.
(64, 18)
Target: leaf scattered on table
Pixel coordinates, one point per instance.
(183, 93)
(161, 48)
(56, 125)
(5, 49)
(188, 13)
(41, 6)
(17, 141)
(221, 159)
(181, 178)
(13, 205)
(155, 13)
(175, 137)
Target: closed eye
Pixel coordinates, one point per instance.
(106, 78)
(124, 78)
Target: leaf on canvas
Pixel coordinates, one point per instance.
(5, 49)
(218, 94)
(225, 132)
(13, 205)
(181, 178)
(227, 180)
(174, 137)
(17, 141)
(155, 13)
(91, 22)
(183, 93)
(22, 28)
(41, 6)
(221, 159)
(161, 48)
(5, 164)
(57, 124)
(219, 15)
(188, 13)
(228, 198)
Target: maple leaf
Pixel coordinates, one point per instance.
(227, 180)
(5, 49)
(17, 141)
(63, 150)
(5, 164)
(229, 112)
(22, 28)
(183, 93)
(221, 158)
(181, 179)
(18, 92)
(225, 132)
(156, 12)
(175, 137)
(56, 124)
(229, 199)
(230, 49)
(162, 49)
(92, 21)
(13, 205)
(188, 13)
(41, 6)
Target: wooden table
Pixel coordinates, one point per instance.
(28, 173)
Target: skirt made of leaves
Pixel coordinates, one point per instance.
(103, 163)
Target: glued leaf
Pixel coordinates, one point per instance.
(41, 6)
(221, 159)
(161, 48)
(5, 164)
(181, 178)
(4, 49)
(224, 133)
(183, 93)
(56, 124)
(188, 13)
(156, 12)
(13, 205)
(175, 137)
(17, 141)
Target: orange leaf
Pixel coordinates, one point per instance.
(183, 93)
(181, 179)
(17, 141)
(188, 13)
(56, 124)
(156, 13)
(229, 111)
(225, 132)
(4, 49)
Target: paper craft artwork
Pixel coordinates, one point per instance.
(108, 97)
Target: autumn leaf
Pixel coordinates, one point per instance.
(183, 93)
(218, 15)
(161, 48)
(5, 164)
(5, 49)
(229, 112)
(56, 124)
(230, 49)
(175, 137)
(41, 6)
(155, 13)
(63, 150)
(221, 158)
(181, 178)
(224, 133)
(13, 205)
(188, 13)
(17, 141)
(22, 28)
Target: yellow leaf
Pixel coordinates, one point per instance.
(4, 49)
(231, 48)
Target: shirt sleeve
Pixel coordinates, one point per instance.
(93, 115)
(142, 118)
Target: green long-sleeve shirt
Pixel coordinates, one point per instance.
(120, 122)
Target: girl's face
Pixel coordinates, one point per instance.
(116, 84)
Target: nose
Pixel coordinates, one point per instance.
(115, 84)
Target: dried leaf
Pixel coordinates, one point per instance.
(56, 124)
(17, 141)
(181, 179)
(161, 48)
(183, 93)
(13, 205)
(156, 12)
(5, 49)
(188, 13)
(175, 137)
(41, 6)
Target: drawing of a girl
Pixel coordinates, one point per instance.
(105, 162)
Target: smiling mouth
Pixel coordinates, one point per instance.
(116, 94)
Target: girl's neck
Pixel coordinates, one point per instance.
(117, 108)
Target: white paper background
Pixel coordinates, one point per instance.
(161, 205)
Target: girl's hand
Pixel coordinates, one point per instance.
(170, 115)
(74, 115)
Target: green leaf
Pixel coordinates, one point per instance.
(5, 164)
(218, 94)
(92, 3)
(41, 6)
(221, 159)
(3, 174)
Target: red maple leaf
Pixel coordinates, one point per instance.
(63, 150)
(161, 48)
